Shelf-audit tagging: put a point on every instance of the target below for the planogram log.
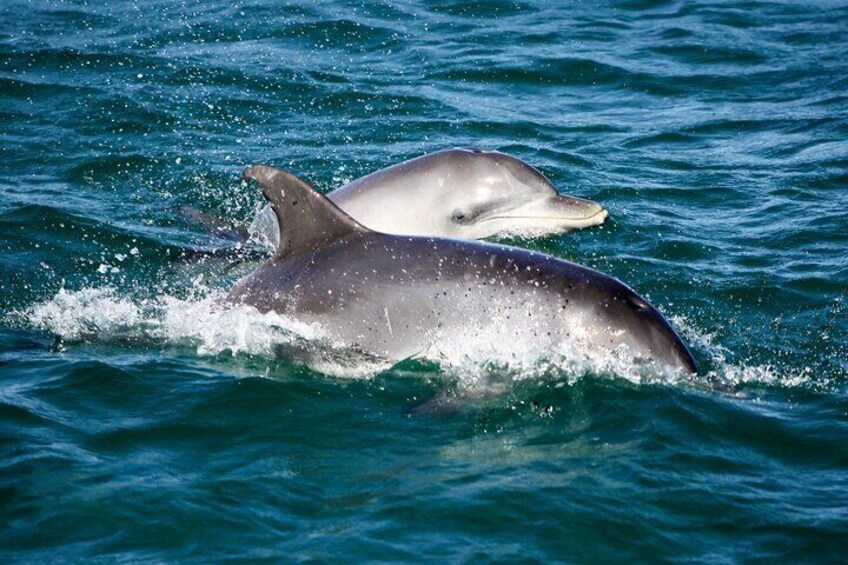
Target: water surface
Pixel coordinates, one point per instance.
(139, 424)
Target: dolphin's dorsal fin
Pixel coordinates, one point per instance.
(308, 220)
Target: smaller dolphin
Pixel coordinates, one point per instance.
(459, 193)
(396, 297)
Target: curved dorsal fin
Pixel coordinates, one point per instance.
(308, 220)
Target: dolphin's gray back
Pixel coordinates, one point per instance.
(462, 164)
(399, 178)
(403, 198)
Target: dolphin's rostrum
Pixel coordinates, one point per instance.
(395, 297)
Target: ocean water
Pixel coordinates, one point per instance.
(141, 423)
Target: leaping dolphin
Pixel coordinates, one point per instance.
(461, 193)
(395, 297)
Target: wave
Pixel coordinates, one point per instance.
(475, 360)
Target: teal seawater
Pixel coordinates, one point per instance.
(137, 427)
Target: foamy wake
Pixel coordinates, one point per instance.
(102, 315)
(477, 360)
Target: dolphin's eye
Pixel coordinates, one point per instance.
(468, 215)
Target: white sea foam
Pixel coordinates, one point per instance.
(477, 359)
(103, 315)
(100, 314)
(88, 312)
(727, 373)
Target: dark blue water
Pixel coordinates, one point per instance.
(139, 423)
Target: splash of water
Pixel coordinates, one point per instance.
(477, 360)
(264, 229)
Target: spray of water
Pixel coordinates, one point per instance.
(479, 360)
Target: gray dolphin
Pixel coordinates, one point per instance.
(461, 193)
(397, 297)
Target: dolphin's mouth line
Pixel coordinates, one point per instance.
(601, 215)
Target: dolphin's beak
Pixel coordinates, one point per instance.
(578, 212)
(566, 212)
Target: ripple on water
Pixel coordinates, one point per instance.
(142, 422)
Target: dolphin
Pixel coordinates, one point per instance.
(465, 193)
(397, 297)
